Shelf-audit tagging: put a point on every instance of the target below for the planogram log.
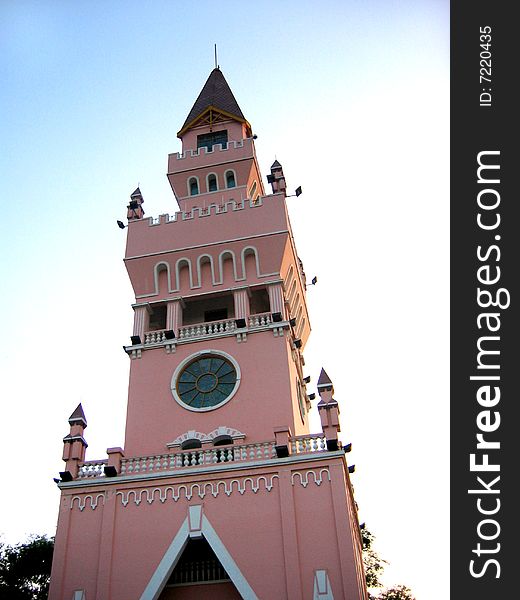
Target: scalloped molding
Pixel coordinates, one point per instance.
(188, 491)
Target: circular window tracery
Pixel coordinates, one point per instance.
(205, 381)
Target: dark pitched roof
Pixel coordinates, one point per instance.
(275, 165)
(78, 415)
(136, 193)
(324, 379)
(216, 92)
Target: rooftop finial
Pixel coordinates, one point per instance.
(216, 61)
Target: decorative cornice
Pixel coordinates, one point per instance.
(187, 491)
(204, 470)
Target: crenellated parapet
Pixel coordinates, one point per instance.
(230, 151)
(227, 206)
(206, 225)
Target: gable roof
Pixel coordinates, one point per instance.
(217, 94)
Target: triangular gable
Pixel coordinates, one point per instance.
(195, 525)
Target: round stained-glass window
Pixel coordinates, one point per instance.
(205, 381)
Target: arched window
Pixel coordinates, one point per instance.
(222, 440)
(191, 444)
(230, 179)
(193, 186)
(212, 183)
(252, 191)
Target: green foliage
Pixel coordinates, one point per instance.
(374, 565)
(25, 569)
(398, 592)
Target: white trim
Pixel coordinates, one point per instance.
(199, 269)
(195, 520)
(221, 266)
(243, 258)
(208, 191)
(199, 471)
(234, 175)
(156, 276)
(190, 195)
(227, 561)
(169, 560)
(172, 555)
(322, 588)
(178, 275)
(191, 358)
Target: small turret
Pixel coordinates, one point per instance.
(74, 444)
(135, 210)
(329, 411)
(277, 178)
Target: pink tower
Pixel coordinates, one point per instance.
(221, 491)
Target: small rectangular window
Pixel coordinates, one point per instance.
(208, 140)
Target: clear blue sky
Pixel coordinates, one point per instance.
(352, 98)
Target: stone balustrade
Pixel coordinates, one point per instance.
(260, 320)
(201, 330)
(198, 457)
(92, 469)
(216, 455)
(155, 337)
(304, 444)
(209, 329)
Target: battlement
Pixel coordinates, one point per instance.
(211, 209)
(199, 225)
(230, 151)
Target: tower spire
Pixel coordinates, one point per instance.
(215, 100)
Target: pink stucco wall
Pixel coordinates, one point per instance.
(277, 535)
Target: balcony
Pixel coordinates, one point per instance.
(205, 457)
(208, 330)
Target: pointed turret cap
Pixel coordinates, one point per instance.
(78, 416)
(324, 380)
(216, 94)
(136, 193)
(276, 165)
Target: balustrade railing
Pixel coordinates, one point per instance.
(91, 469)
(261, 320)
(155, 337)
(304, 444)
(211, 328)
(198, 457)
(206, 329)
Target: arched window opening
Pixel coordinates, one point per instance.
(252, 191)
(212, 183)
(222, 440)
(193, 186)
(230, 179)
(191, 444)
